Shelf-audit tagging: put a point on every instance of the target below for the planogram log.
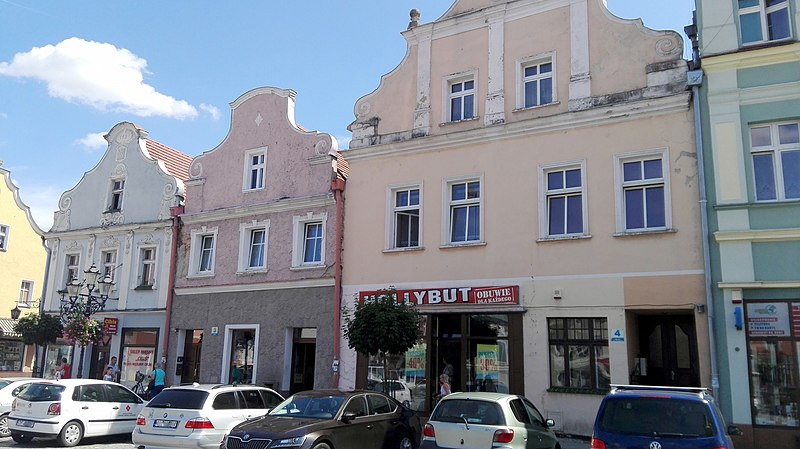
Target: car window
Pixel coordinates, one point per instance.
(251, 399)
(536, 417)
(519, 411)
(657, 416)
(118, 393)
(379, 404)
(15, 392)
(4, 383)
(357, 406)
(42, 392)
(225, 401)
(270, 398)
(471, 410)
(179, 398)
(89, 393)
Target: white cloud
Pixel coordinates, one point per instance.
(96, 74)
(92, 142)
(344, 142)
(42, 200)
(213, 111)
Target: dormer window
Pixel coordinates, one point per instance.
(117, 190)
(255, 168)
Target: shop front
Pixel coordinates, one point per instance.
(473, 335)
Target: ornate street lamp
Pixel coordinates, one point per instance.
(75, 303)
(15, 312)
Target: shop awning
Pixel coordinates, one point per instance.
(7, 328)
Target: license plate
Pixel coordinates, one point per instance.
(24, 423)
(164, 423)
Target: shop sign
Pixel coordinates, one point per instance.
(415, 361)
(768, 319)
(796, 319)
(110, 325)
(508, 295)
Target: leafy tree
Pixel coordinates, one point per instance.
(39, 329)
(382, 326)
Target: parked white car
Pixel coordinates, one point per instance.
(397, 389)
(70, 409)
(9, 389)
(198, 416)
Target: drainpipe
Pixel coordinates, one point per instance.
(39, 359)
(337, 185)
(695, 80)
(175, 213)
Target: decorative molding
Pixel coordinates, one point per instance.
(108, 219)
(248, 211)
(264, 286)
(668, 46)
(759, 284)
(128, 241)
(758, 235)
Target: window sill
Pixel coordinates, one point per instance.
(144, 287)
(471, 119)
(571, 390)
(529, 108)
(403, 250)
(251, 272)
(257, 189)
(200, 276)
(112, 211)
(24, 305)
(560, 238)
(462, 245)
(644, 232)
(307, 267)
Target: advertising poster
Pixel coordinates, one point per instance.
(768, 319)
(415, 361)
(486, 362)
(136, 359)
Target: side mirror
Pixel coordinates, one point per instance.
(347, 417)
(733, 430)
(550, 422)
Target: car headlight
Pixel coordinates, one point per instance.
(289, 442)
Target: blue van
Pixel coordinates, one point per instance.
(639, 416)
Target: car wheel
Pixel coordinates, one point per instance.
(71, 434)
(405, 443)
(20, 438)
(4, 432)
(322, 446)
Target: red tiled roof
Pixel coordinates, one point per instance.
(342, 166)
(176, 162)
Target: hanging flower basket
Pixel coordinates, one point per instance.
(83, 331)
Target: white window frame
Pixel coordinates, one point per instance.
(298, 239)
(68, 267)
(196, 251)
(391, 215)
(447, 95)
(545, 194)
(762, 10)
(142, 267)
(448, 204)
(249, 168)
(109, 267)
(777, 150)
(226, 352)
(245, 245)
(29, 293)
(619, 189)
(522, 64)
(116, 192)
(4, 231)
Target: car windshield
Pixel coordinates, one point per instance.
(179, 398)
(648, 416)
(42, 392)
(4, 383)
(299, 406)
(469, 410)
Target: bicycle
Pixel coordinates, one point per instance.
(140, 388)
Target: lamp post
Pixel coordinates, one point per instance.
(15, 312)
(75, 302)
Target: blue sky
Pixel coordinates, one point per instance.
(70, 70)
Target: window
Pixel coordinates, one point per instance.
(201, 253)
(464, 201)
(461, 97)
(536, 87)
(147, 267)
(138, 353)
(25, 293)
(309, 241)
(643, 193)
(764, 20)
(563, 201)
(71, 267)
(405, 217)
(776, 161)
(253, 246)
(117, 189)
(579, 353)
(254, 170)
(109, 261)
(3, 237)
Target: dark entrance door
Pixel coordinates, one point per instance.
(192, 348)
(669, 342)
(304, 350)
(100, 360)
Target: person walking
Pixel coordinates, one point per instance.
(159, 376)
(114, 369)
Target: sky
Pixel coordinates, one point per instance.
(71, 70)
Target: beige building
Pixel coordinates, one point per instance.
(527, 177)
(22, 266)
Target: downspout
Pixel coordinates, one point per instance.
(337, 185)
(695, 80)
(39, 360)
(175, 213)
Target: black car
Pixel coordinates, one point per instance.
(331, 419)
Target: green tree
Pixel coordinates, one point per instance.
(39, 329)
(382, 326)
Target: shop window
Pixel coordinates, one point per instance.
(138, 353)
(55, 353)
(11, 355)
(579, 353)
(243, 349)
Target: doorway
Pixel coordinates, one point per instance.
(669, 342)
(192, 347)
(304, 350)
(101, 355)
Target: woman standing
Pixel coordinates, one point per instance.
(158, 380)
